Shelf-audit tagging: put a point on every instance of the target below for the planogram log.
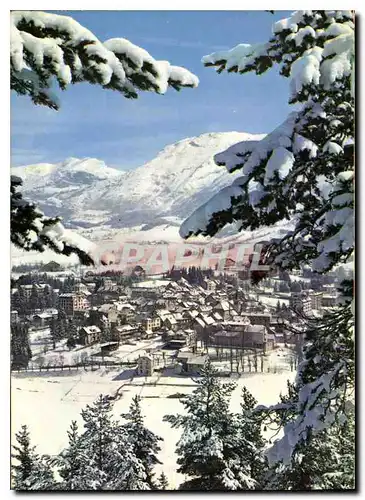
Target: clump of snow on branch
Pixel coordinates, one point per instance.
(319, 65)
(249, 154)
(239, 57)
(281, 161)
(45, 46)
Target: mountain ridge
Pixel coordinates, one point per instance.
(89, 194)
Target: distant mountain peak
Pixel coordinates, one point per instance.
(88, 193)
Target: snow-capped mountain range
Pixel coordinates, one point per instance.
(147, 204)
(89, 194)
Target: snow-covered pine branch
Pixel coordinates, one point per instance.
(303, 169)
(31, 230)
(47, 48)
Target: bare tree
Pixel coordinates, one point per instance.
(61, 360)
(83, 357)
(255, 361)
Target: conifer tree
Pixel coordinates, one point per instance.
(98, 437)
(325, 460)
(144, 442)
(34, 298)
(73, 463)
(209, 449)
(20, 350)
(29, 471)
(53, 331)
(71, 334)
(111, 456)
(106, 334)
(253, 445)
(26, 457)
(163, 483)
(324, 387)
(58, 327)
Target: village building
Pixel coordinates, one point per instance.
(147, 364)
(258, 318)
(209, 285)
(190, 362)
(26, 290)
(251, 337)
(151, 289)
(125, 333)
(301, 302)
(44, 319)
(118, 313)
(151, 324)
(180, 339)
(71, 302)
(168, 320)
(329, 300)
(316, 299)
(106, 293)
(89, 335)
(223, 308)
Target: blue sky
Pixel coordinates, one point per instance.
(98, 123)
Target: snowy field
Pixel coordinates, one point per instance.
(42, 350)
(272, 301)
(48, 403)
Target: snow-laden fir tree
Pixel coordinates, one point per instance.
(29, 470)
(73, 464)
(322, 396)
(112, 461)
(49, 50)
(325, 461)
(163, 483)
(249, 433)
(31, 230)
(20, 351)
(211, 448)
(145, 444)
(301, 172)
(71, 334)
(25, 456)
